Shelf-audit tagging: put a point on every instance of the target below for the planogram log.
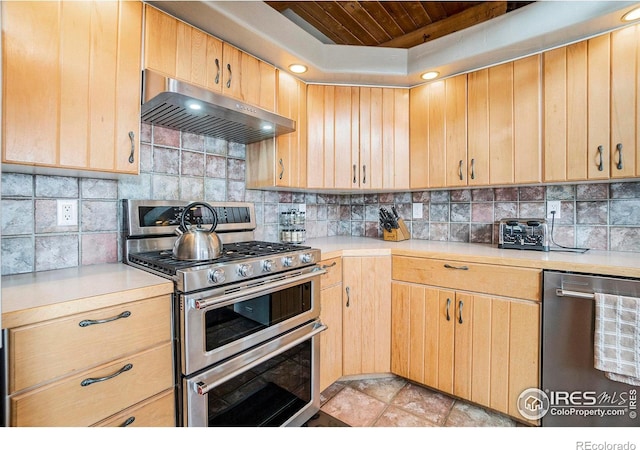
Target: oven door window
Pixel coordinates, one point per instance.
(266, 395)
(232, 322)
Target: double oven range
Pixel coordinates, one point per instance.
(245, 324)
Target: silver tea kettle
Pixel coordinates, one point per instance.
(195, 243)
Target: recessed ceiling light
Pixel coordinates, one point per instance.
(298, 68)
(634, 14)
(430, 75)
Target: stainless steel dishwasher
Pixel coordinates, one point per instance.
(576, 390)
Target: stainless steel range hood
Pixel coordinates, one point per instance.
(182, 106)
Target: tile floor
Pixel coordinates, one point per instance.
(395, 402)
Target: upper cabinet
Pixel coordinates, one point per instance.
(71, 84)
(591, 108)
(478, 129)
(357, 137)
(282, 162)
(181, 51)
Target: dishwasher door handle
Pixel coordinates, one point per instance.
(586, 295)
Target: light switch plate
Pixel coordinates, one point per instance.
(553, 205)
(417, 210)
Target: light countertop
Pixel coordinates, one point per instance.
(593, 261)
(33, 297)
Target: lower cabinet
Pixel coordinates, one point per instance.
(331, 316)
(366, 319)
(477, 346)
(94, 368)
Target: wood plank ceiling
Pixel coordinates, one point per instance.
(390, 23)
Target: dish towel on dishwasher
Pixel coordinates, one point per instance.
(617, 337)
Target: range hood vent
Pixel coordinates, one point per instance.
(182, 106)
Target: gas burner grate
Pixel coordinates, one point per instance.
(163, 261)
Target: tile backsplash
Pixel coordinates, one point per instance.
(185, 166)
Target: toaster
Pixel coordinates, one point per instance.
(524, 234)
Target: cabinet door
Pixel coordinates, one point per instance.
(625, 105)
(78, 60)
(408, 330)
(366, 315)
(291, 148)
(331, 339)
(463, 345)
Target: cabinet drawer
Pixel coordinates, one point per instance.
(157, 411)
(517, 282)
(334, 272)
(42, 352)
(68, 403)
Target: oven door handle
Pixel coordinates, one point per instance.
(271, 285)
(203, 388)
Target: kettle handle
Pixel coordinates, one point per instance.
(190, 206)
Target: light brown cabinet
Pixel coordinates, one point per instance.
(181, 51)
(331, 316)
(71, 84)
(480, 346)
(366, 315)
(357, 137)
(282, 162)
(591, 108)
(79, 370)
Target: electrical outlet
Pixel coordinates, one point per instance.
(554, 206)
(417, 211)
(67, 213)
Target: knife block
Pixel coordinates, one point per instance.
(398, 234)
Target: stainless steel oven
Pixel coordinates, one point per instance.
(245, 323)
(273, 384)
(223, 322)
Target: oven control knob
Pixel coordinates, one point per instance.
(287, 261)
(268, 265)
(306, 258)
(217, 276)
(245, 270)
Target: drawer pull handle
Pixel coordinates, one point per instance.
(449, 266)
(348, 297)
(86, 323)
(217, 80)
(326, 266)
(281, 168)
(89, 381)
(601, 162)
(132, 137)
(460, 311)
(448, 304)
(619, 151)
(128, 422)
(460, 171)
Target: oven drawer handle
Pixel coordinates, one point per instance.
(89, 381)
(203, 304)
(203, 388)
(86, 323)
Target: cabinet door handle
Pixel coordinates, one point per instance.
(473, 169)
(348, 297)
(229, 80)
(128, 422)
(355, 180)
(86, 323)
(281, 168)
(217, 71)
(449, 266)
(448, 304)
(600, 158)
(89, 381)
(460, 171)
(132, 137)
(619, 150)
(364, 174)
(327, 266)
(460, 311)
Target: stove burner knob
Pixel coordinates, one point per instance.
(268, 265)
(287, 261)
(216, 276)
(245, 270)
(306, 258)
